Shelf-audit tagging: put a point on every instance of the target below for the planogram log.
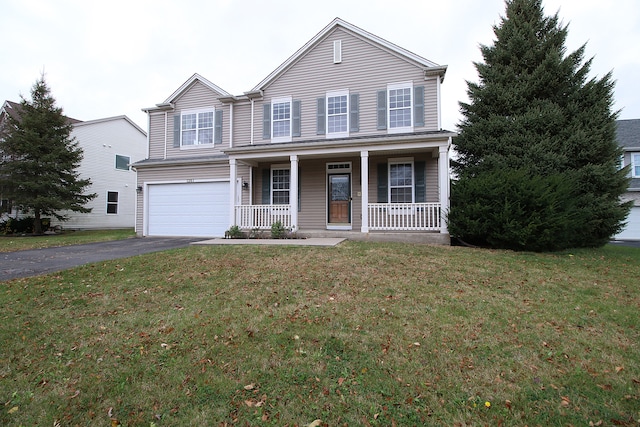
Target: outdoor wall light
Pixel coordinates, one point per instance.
(245, 185)
(139, 189)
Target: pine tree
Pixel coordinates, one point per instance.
(40, 159)
(537, 166)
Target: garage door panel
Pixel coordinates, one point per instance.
(194, 209)
(632, 230)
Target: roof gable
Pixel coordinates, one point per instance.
(419, 61)
(628, 133)
(186, 85)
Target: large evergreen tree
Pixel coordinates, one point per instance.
(38, 166)
(537, 166)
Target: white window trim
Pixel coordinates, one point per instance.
(398, 161)
(394, 86)
(635, 164)
(283, 100)
(274, 168)
(112, 203)
(213, 130)
(128, 163)
(329, 135)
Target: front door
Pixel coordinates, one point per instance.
(340, 199)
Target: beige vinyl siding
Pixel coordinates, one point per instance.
(433, 189)
(431, 104)
(157, 131)
(198, 96)
(242, 122)
(364, 69)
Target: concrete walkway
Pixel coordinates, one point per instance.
(312, 241)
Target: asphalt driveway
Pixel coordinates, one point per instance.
(14, 265)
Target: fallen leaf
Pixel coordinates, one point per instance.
(565, 401)
(508, 404)
(315, 423)
(340, 381)
(250, 386)
(619, 369)
(114, 422)
(13, 410)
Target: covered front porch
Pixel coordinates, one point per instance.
(396, 189)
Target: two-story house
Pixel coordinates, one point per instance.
(109, 146)
(628, 136)
(343, 138)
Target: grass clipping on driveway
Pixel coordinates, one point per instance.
(359, 334)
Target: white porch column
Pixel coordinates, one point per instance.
(443, 184)
(364, 177)
(233, 176)
(293, 192)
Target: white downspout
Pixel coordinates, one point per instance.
(231, 125)
(233, 174)
(252, 102)
(166, 124)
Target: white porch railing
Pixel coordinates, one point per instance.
(405, 216)
(262, 216)
(382, 216)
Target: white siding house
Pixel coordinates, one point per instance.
(110, 145)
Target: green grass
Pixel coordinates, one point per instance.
(359, 334)
(20, 243)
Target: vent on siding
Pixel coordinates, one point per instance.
(337, 51)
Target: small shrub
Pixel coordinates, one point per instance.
(277, 230)
(234, 232)
(17, 226)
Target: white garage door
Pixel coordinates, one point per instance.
(632, 231)
(196, 209)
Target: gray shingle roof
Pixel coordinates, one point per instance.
(628, 133)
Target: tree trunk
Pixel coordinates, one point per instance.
(37, 223)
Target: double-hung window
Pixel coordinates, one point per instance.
(196, 128)
(400, 107)
(401, 181)
(281, 120)
(112, 202)
(338, 114)
(635, 165)
(280, 184)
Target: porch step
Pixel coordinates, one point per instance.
(432, 238)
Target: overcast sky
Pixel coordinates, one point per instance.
(113, 57)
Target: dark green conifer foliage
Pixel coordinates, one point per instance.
(537, 166)
(38, 168)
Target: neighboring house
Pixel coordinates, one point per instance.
(344, 138)
(109, 147)
(628, 135)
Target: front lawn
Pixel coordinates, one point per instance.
(360, 334)
(21, 243)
